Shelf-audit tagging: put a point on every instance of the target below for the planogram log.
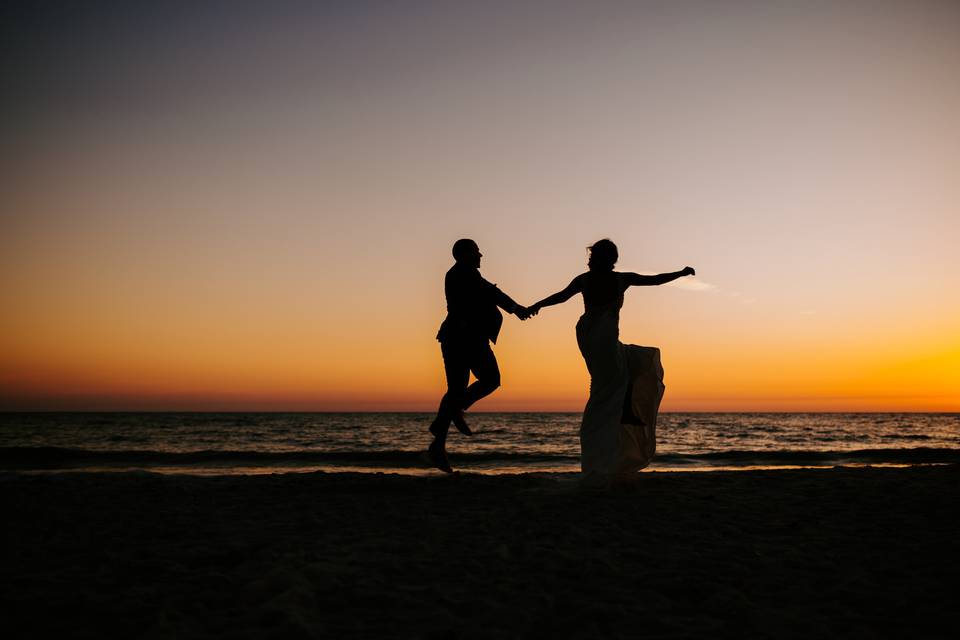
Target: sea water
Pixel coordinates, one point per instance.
(246, 443)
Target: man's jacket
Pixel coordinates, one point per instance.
(472, 303)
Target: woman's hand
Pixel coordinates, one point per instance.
(524, 313)
(529, 312)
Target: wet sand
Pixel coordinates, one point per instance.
(867, 552)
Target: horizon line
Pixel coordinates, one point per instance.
(432, 411)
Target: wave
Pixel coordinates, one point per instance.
(37, 458)
(53, 457)
(917, 455)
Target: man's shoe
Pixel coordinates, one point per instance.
(461, 424)
(438, 457)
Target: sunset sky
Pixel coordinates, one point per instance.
(250, 206)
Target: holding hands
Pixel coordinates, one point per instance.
(524, 313)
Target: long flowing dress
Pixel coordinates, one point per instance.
(618, 431)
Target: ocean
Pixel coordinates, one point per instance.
(256, 443)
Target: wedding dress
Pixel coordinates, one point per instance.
(618, 431)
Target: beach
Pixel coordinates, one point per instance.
(843, 552)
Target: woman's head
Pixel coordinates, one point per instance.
(603, 255)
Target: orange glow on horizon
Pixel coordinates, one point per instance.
(297, 373)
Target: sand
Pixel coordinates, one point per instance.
(868, 552)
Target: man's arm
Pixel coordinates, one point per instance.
(637, 280)
(505, 302)
(501, 299)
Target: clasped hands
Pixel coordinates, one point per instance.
(525, 313)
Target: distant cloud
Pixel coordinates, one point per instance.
(692, 283)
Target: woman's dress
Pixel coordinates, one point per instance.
(618, 432)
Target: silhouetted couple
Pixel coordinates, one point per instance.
(626, 381)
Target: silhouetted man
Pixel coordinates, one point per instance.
(472, 322)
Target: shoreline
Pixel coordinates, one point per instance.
(556, 473)
(489, 461)
(866, 551)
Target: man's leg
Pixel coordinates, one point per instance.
(486, 371)
(457, 368)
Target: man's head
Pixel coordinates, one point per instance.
(466, 252)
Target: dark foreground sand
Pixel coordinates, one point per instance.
(809, 553)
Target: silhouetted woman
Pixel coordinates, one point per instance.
(609, 447)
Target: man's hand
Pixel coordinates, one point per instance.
(688, 271)
(524, 313)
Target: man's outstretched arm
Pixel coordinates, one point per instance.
(507, 303)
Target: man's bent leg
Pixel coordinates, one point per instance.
(484, 366)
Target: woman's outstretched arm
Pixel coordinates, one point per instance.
(575, 287)
(637, 280)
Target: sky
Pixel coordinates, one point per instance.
(250, 206)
